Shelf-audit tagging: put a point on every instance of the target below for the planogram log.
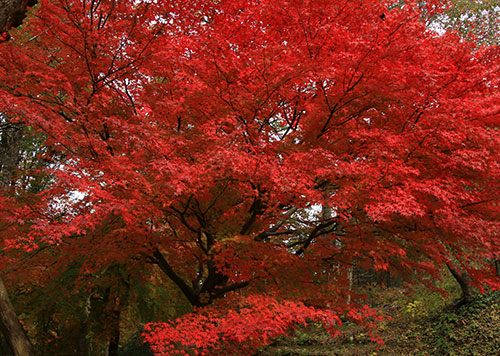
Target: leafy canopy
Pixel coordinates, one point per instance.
(260, 147)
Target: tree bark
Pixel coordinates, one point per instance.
(12, 13)
(83, 340)
(350, 279)
(11, 137)
(463, 280)
(114, 340)
(16, 337)
(118, 299)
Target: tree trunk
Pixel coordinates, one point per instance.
(114, 340)
(11, 137)
(83, 340)
(463, 280)
(119, 300)
(350, 279)
(12, 13)
(14, 333)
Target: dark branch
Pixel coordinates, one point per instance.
(160, 260)
(219, 292)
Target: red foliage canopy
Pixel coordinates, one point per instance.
(261, 145)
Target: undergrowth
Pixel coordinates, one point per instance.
(422, 324)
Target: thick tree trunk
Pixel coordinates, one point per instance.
(12, 13)
(11, 328)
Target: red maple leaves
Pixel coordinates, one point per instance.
(248, 324)
(234, 143)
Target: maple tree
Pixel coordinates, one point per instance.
(250, 147)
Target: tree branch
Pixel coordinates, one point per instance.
(160, 260)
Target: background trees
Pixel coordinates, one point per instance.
(477, 20)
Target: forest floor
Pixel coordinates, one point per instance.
(422, 323)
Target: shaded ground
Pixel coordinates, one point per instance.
(426, 325)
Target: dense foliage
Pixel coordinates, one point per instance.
(256, 147)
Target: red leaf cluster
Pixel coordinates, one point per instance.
(248, 324)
